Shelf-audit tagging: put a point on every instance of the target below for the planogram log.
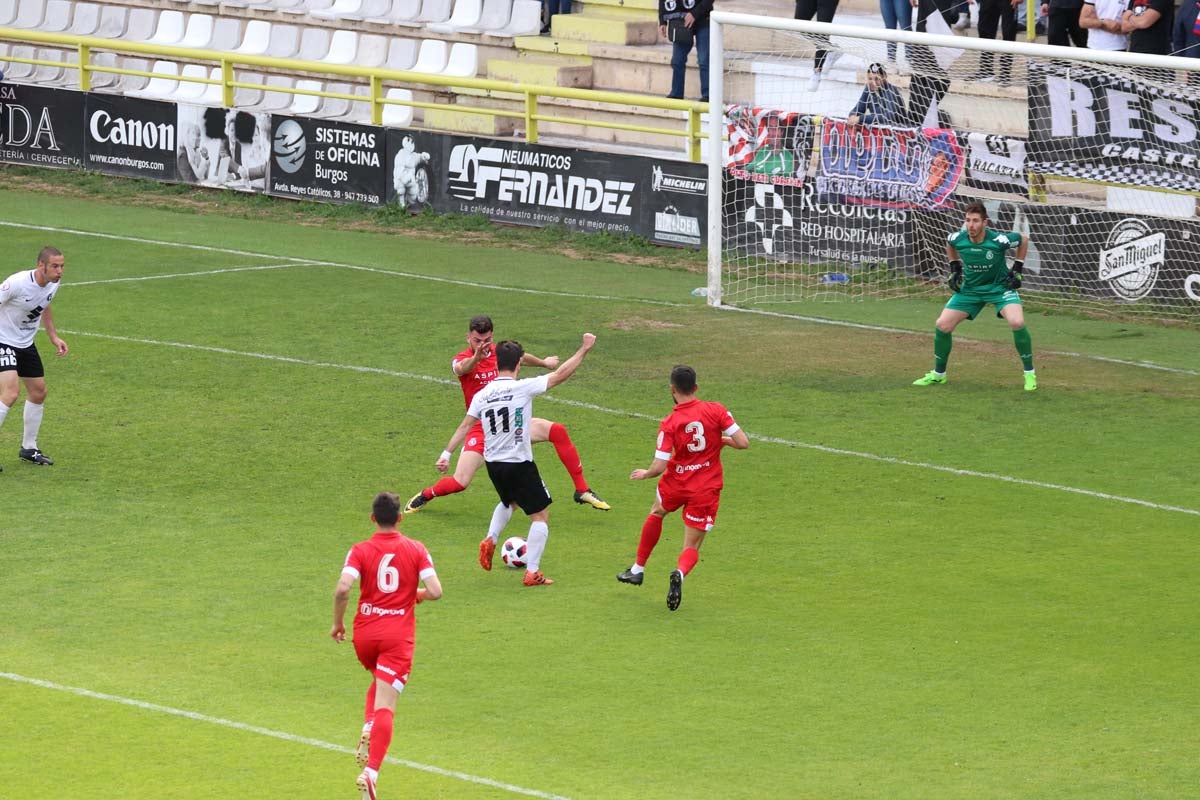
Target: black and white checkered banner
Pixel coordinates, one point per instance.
(1088, 123)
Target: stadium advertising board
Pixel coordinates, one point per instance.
(582, 190)
(413, 158)
(1134, 259)
(767, 146)
(890, 167)
(1085, 123)
(331, 162)
(798, 224)
(41, 127)
(131, 136)
(995, 163)
(223, 147)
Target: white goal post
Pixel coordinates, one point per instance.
(1094, 154)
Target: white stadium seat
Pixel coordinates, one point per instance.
(305, 104)
(189, 92)
(30, 14)
(403, 12)
(256, 38)
(431, 58)
(372, 50)
(198, 32)
(227, 32)
(112, 22)
(494, 17)
(466, 14)
(463, 61)
(526, 20)
(398, 116)
(402, 54)
(434, 11)
(343, 48)
(339, 9)
(140, 24)
(169, 29)
(314, 44)
(164, 82)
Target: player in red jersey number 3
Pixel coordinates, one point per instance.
(688, 457)
(391, 568)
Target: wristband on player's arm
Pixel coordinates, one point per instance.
(446, 455)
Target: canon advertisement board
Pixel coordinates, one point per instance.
(41, 127)
(663, 201)
(223, 147)
(130, 136)
(331, 162)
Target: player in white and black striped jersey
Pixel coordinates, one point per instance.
(505, 407)
(24, 306)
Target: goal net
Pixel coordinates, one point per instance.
(849, 154)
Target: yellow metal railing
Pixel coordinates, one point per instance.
(86, 47)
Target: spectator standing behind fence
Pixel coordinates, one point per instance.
(993, 15)
(1102, 18)
(897, 15)
(684, 23)
(1062, 23)
(1186, 39)
(1149, 24)
(823, 10)
(880, 102)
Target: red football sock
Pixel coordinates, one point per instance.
(651, 531)
(369, 712)
(568, 455)
(688, 559)
(442, 488)
(381, 737)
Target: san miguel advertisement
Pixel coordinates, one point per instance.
(1085, 123)
(585, 191)
(130, 136)
(332, 162)
(41, 127)
(891, 167)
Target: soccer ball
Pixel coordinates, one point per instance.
(512, 552)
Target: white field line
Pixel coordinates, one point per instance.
(637, 415)
(287, 737)
(138, 278)
(546, 293)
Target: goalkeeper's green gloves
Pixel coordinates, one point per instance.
(1013, 279)
(955, 280)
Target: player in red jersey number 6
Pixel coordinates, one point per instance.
(391, 568)
(688, 457)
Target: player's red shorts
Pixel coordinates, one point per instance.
(699, 508)
(389, 660)
(474, 441)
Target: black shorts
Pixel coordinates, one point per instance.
(519, 482)
(25, 360)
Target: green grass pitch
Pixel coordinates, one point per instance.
(965, 591)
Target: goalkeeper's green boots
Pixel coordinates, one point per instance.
(930, 378)
(1030, 381)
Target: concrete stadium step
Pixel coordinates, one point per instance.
(600, 26)
(543, 70)
(633, 9)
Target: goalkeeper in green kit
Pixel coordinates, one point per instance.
(979, 274)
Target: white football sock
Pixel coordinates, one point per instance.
(539, 532)
(637, 569)
(500, 518)
(33, 423)
(3, 412)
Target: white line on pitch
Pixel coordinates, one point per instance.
(547, 293)
(135, 279)
(287, 737)
(634, 414)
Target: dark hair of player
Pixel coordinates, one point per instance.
(480, 324)
(47, 253)
(508, 355)
(386, 509)
(683, 378)
(976, 208)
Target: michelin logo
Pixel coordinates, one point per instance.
(682, 184)
(476, 173)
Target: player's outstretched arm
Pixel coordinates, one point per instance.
(443, 462)
(341, 599)
(738, 441)
(568, 367)
(657, 467)
(530, 360)
(432, 590)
